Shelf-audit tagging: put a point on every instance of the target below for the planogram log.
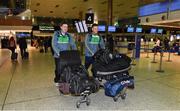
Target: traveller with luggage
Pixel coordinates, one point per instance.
(23, 48)
(61, 41)
(93, 42)
(12, 47)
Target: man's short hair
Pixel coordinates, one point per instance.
(63, 22)
(94, 25)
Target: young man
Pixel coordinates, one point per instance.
(93, 42)
(61, 41)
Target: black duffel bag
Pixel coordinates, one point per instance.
(77, 81)
(79, 85)
(70, 58)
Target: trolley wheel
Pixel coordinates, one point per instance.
(78, 104)
(115, 98)
(88, 102)
(123, 96)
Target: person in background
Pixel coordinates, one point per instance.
(61, 41)
(93, 42)
(157, 46)
(22, 46)
(45, 43)
(50, 45)
(166, 44)
(12, 44)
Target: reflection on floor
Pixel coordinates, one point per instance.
(28, 85)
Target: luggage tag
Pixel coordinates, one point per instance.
(63, 39)
(95, 39)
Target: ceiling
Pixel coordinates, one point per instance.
(78, 8)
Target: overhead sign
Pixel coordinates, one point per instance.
(89, 18)
(48, 28)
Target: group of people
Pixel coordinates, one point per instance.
(63, 41)
(22, 45)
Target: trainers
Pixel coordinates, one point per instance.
(56, 84)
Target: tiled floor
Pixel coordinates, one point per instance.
(28, 85)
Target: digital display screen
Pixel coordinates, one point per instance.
(22, 34)
(130, 29)
(111, 29)
(160, 31)
(153, 30)
(101, 28)
(138, 30)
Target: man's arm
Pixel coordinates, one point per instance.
(54, 43)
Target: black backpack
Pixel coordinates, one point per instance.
(79, 85)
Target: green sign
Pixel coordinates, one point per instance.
(95, 39)
(63, 39)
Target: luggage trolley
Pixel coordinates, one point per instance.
(111, 74)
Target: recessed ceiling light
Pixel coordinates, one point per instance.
(37, 4)
(35, 10)
(50, 11)
(104, 2)
(74, 7)
(127, 13)
(57, 6)
(120, 4)
(65, 12)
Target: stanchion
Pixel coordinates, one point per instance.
(147, 56)
(147, 51)
(133, 57)
(160, 64)
(154, 59)
(169, 57)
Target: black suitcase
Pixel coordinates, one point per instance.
(14, 56)
(26, 55)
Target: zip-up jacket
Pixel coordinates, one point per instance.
(62, 42)
(92, 44)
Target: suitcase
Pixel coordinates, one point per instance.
(70, 58)
(41, 50)
(14, 56)
(79, 85)
(26, 55)
(117, 88)
(64, 88)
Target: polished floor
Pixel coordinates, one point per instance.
(28, 85)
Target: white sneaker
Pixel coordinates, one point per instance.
(56, 84)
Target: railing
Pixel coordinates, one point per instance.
(15, 21)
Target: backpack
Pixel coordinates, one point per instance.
(75, 80)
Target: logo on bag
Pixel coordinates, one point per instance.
(125, 82)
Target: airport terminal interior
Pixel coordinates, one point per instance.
(145, 31)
